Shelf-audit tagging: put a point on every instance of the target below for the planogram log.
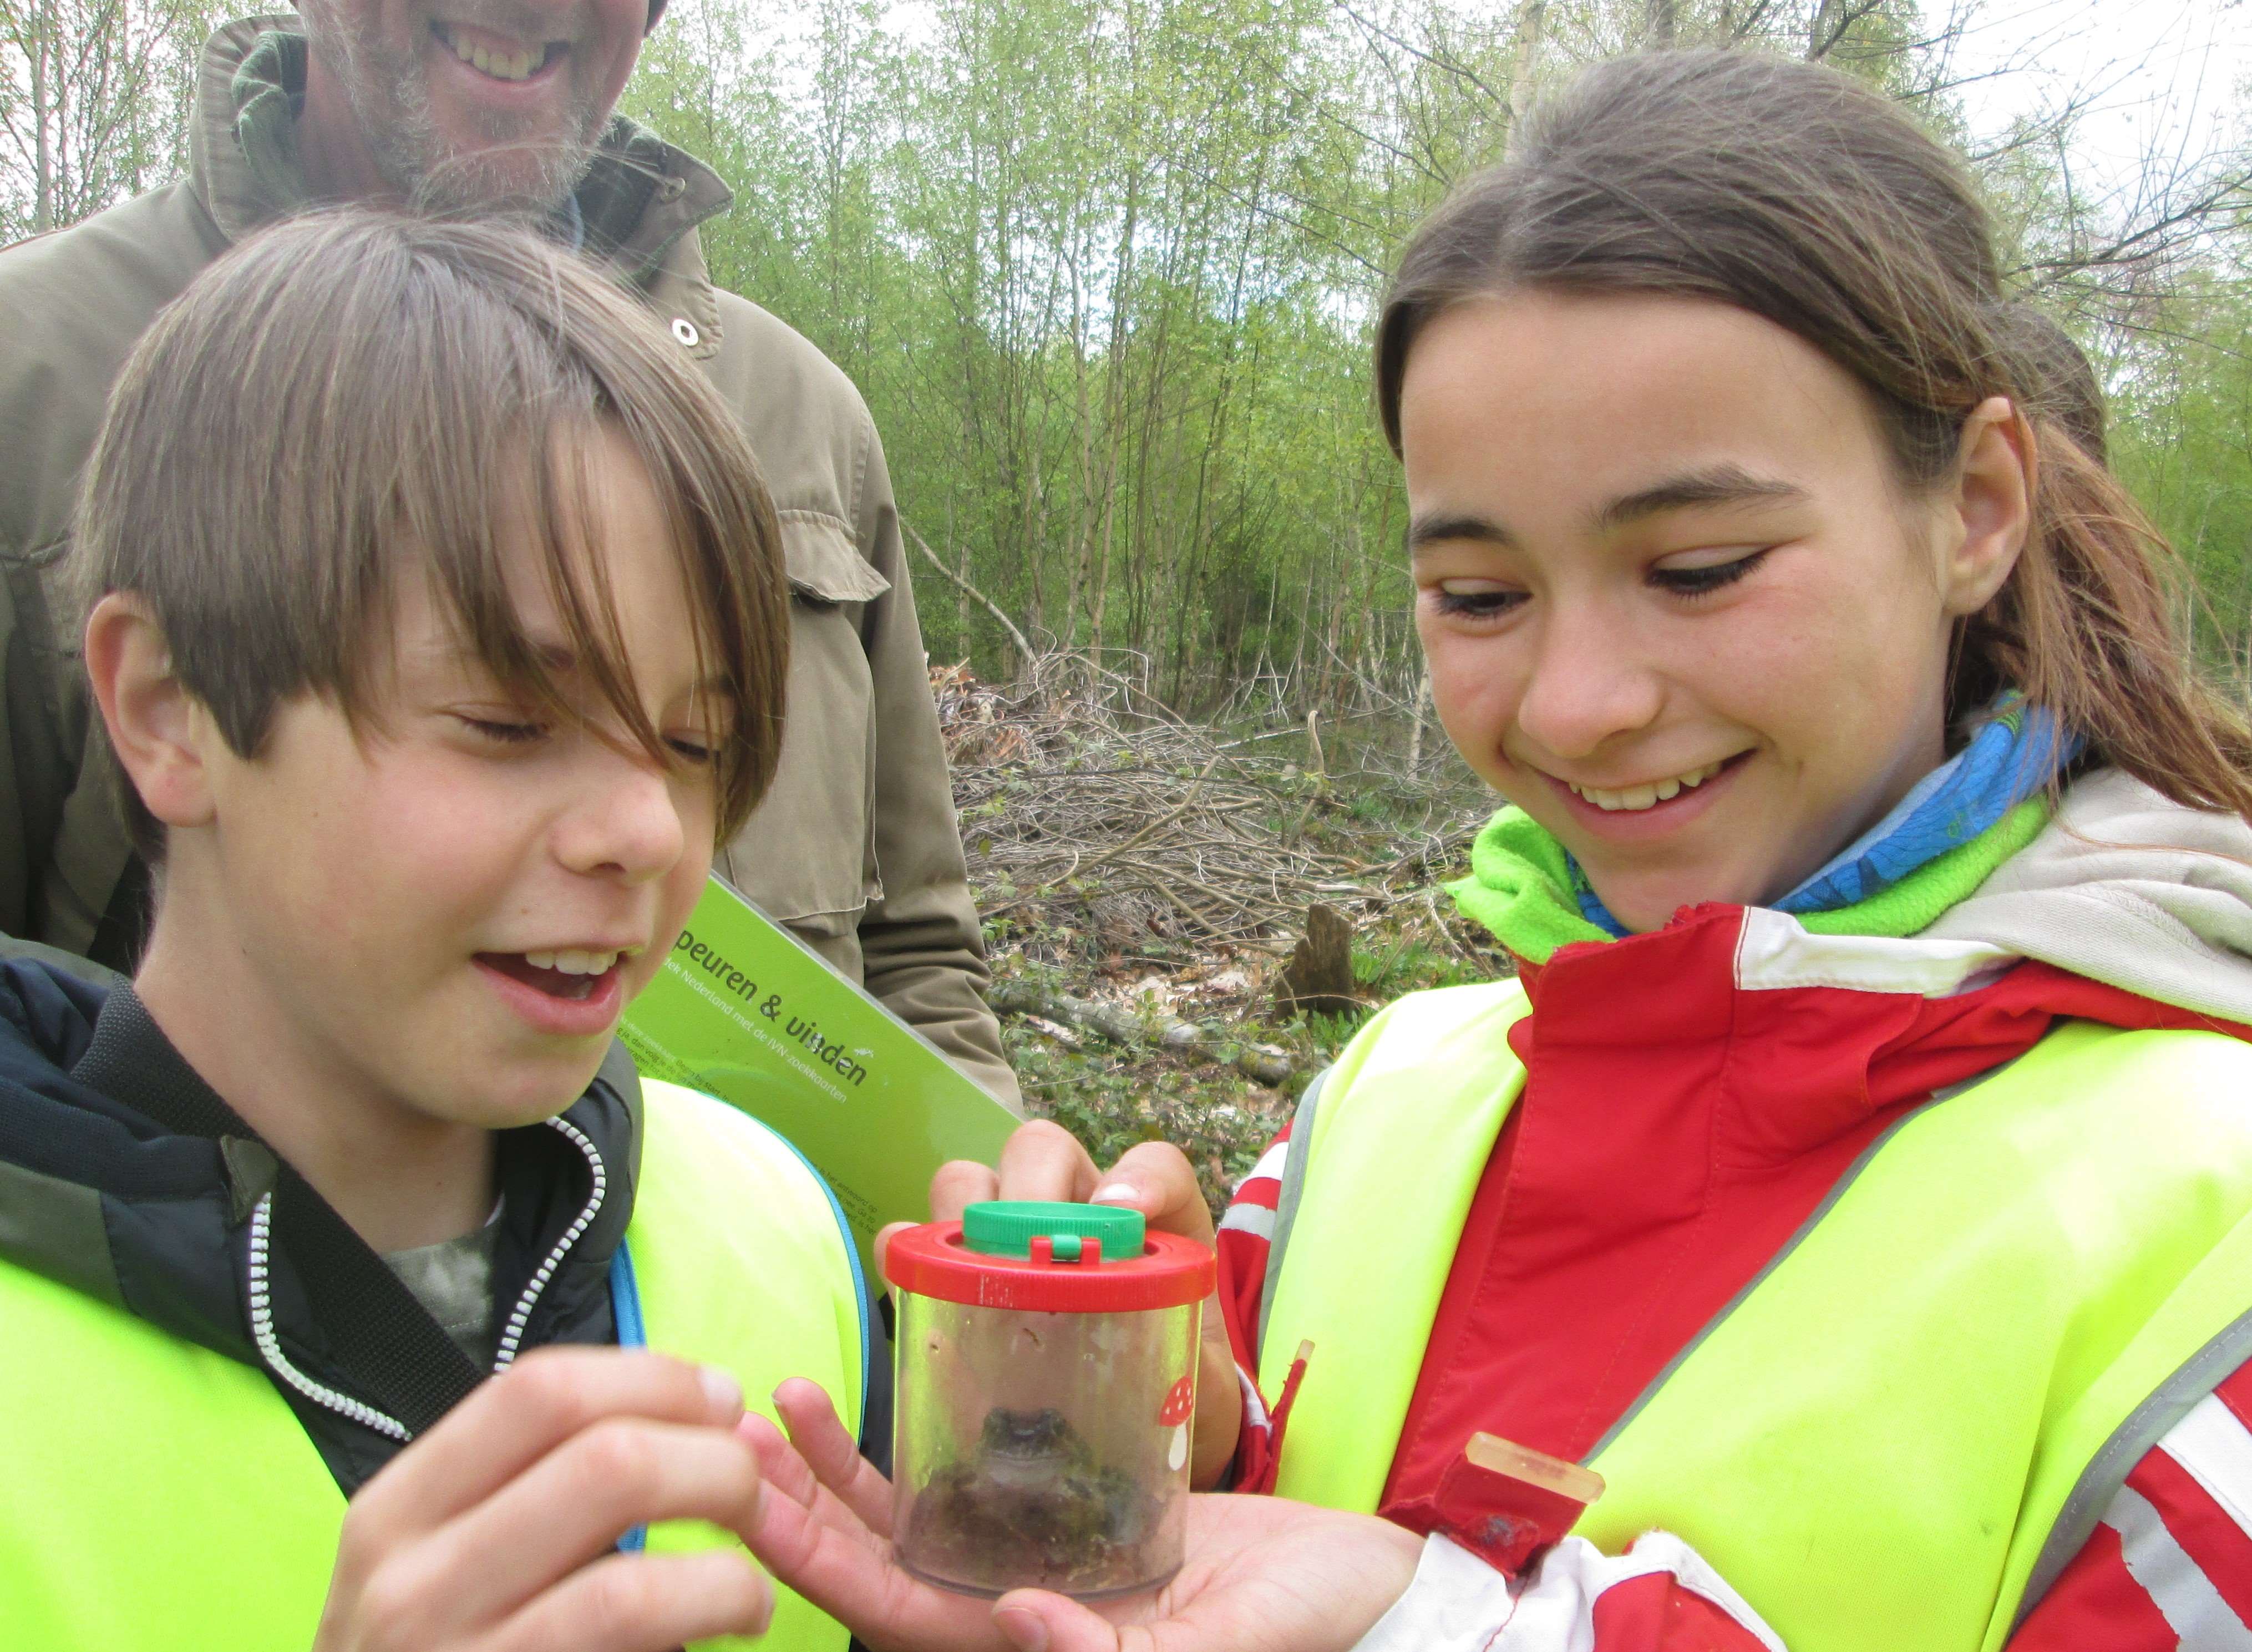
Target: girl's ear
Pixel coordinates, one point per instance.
(1992, 510)
(157, 727)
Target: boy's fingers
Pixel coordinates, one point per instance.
(958, 1184)
(1158, 1180)
(566, 1509)
(1043, 1160)
(833, 1454)
(644, 1603)
(884, 1243)
(786, 1475)
(862, 1587)
(780, 1467)
(510, 1423)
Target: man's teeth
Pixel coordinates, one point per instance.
(572, 963)
(1637, 797)
(502, 66)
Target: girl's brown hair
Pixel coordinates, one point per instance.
(351, 398)
(1800, 195)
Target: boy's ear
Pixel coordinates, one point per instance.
(1993, 512)
(157, 727)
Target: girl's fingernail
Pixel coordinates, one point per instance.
(722, 1390)
(1117, 1193)
(1024, 1628)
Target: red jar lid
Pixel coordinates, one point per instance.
(1170, 1271)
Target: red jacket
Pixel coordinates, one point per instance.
(1656, 1161)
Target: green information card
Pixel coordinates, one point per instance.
(745, 1011)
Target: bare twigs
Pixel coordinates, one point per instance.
(1086, 805)
(1127, 1025)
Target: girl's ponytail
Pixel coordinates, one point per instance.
(2086, 627)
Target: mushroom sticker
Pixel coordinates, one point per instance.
(1179, 1406)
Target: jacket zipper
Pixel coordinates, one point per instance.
(269, 1346)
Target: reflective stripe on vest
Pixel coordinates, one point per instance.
(1874, 1443)
(155, 1493)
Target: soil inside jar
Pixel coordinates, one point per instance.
(1034, 1508)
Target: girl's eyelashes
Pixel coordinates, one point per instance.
(1476, 600)
(1704, 580)
(1485, 603)
(689, 749)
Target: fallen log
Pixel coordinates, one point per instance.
(1124, 1024)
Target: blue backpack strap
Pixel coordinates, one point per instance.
(625, 1314)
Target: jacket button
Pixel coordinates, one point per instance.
(685, 331)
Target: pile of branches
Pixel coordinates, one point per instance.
(1090, 809)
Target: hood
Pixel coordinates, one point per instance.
(2115, 886)
(157, 1220)
(2128, 889)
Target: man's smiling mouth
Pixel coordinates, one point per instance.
(520, 65)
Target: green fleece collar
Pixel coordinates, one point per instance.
(1520, 885)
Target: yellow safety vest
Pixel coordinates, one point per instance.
(155, 1493)
(1896, 1438)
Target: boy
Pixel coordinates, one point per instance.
(431, 708)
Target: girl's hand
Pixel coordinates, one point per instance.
(1263, 1574)
(495, 1530)
(1043, 1160)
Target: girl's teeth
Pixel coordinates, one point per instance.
(1632, 800)
(540, 960)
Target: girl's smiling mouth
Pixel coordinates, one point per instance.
(1648, 806)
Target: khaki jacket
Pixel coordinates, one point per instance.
(855, 847)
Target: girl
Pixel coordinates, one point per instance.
(1857, 1174)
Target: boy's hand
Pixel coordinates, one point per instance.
(1043, 1160)
(494, 1529)
(1263, 1574)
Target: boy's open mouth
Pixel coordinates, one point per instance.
(568, 975)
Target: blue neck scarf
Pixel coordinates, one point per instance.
(2020, 749)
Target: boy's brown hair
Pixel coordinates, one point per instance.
(352, 394)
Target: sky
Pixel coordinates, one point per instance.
(2162, 72)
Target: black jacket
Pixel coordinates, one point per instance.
(156, 1217)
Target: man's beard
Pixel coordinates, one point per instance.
(511, 174)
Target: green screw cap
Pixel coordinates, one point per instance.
(1007, 1227)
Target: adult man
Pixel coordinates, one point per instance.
(493, 107)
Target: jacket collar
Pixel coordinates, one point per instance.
(641, 202)
(124, 1176)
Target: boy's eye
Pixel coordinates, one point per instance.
(506, 733)
(1475, 599)
(1700, 578)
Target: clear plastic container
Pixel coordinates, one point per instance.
(1043, 1398)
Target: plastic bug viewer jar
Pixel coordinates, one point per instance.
(1047, 1379)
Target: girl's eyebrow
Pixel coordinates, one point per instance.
(1726, 484)
(1454, 526)
(1717, 484)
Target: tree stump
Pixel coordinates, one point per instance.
(1319, 978)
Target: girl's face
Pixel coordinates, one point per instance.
(1678, 605)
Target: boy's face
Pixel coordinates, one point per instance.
(446, 911)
